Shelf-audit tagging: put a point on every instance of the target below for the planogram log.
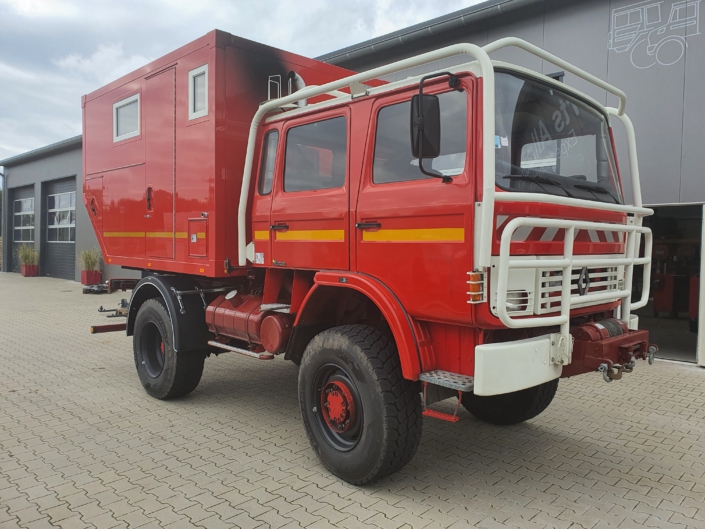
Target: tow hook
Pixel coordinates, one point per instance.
(612, 372)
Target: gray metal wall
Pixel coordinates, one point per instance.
(40, 173)
(665, 102)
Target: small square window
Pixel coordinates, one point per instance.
(126, 118)
(198, 92)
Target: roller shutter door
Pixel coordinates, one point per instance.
(60, 229)
(21, 221)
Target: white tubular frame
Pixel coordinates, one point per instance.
(486, 72)
(567, 263)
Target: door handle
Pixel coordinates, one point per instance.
(149, 198)
(279, 227)
(368, 225)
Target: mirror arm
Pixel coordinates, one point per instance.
(453, 82)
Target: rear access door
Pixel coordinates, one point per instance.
(310, 204)
(414, 232)
(159, 109)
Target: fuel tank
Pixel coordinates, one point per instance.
(239, 316)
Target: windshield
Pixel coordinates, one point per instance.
(548, 141)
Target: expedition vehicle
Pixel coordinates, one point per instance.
(458, 234)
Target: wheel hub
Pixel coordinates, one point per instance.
(338, 406)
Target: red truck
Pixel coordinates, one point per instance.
(458, 234)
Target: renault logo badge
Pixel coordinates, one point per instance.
(583, 281)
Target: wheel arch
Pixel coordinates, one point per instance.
(188, 325)
(318, 313)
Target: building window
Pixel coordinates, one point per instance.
(61, 217)
(23, 222)
(316, 156)
(198, 92)
(126, 118)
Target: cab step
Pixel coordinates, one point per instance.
(449, 380)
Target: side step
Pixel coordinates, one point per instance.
(244, 352)
(449, 380)
(445, 379)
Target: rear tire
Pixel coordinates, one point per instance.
(362, 417)
(511, 408)
(164, 373)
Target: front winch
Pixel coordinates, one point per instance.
(609, 347)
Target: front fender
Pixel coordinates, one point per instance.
(400, 323)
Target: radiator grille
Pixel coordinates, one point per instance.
(551, 282)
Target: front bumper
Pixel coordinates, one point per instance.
(507, 367)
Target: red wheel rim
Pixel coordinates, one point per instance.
(338, 406)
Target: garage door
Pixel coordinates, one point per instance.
(22, 220)
(60, 259)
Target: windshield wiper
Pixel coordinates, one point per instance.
(533, 178)
(597, 189)
(538, 179)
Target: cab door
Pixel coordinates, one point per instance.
(309, 219)
(414, 232)
(262, 201)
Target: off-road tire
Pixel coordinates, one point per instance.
(511, 408)
(390, 420)
(180, 372)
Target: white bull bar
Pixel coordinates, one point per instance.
(630, 259)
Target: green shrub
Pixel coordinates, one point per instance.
(90, 259)
(27, 255)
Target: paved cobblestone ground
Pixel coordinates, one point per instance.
(82, 445)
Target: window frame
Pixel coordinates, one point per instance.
(310, 120)
(436, 87)
(122, 103)
(201, 70)
(263, 162)
(60, 226)
(21, 214)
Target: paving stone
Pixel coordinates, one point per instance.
(82, 444)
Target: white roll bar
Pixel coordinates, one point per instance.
(543, 54)
(485, 218)
(486, 72)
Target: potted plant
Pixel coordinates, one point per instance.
(29, 260)
(90, 266)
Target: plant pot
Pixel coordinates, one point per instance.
(30, 270)
(90, 277)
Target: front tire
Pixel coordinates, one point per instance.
(164, 373)
(511, 408)
(362, 417)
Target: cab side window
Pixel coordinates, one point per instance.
(316, 155)
(269, 155)
(393, 159)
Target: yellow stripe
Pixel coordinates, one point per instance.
(262, 235)
(123, 234)
(201, 234)
(151, 234)
(311, 235)
(166, 234)
(416, 234)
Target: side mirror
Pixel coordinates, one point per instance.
(425, 126)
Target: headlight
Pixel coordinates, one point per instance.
(517, 300)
